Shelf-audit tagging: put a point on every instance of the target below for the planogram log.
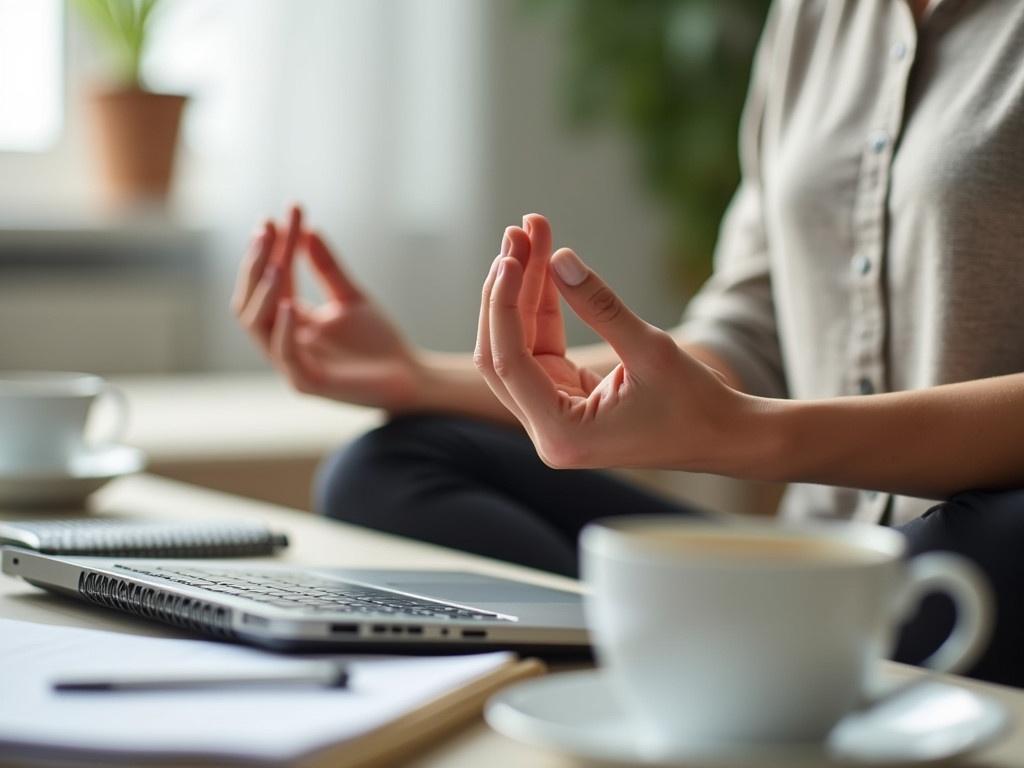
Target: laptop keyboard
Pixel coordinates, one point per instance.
(306, 592)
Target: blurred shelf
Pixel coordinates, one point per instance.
(106, 294)
(97, 242)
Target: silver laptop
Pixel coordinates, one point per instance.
(289, 607)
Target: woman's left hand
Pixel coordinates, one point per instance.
(659, 407)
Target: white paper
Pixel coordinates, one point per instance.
(259, 724)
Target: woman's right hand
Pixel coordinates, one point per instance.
(346, 349)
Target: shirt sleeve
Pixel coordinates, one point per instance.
(733, 314)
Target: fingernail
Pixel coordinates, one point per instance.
(569, 268)
(526, 225)
(506, 244)
(501, 268)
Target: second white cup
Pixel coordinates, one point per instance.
(44, 415)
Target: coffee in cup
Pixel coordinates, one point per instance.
(44, 417)
(759, 633)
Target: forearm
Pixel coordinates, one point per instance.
(932, 442)
(451, 384)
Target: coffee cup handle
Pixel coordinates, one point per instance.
(964, 582)
(120, 423)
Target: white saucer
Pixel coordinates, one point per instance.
(68, 486)
(576, 713)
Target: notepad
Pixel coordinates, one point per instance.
(127, 537)
(391, 702)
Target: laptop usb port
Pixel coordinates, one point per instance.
(345, 629)
(474, 633)
(414, 630)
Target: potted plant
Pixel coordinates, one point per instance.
(136, 130)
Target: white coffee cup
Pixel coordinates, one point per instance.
(44, 415)
(759, 633)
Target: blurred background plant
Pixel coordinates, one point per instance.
(135, 131)
(673, 74)
(123, 26)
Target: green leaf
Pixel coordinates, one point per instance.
(122, 26)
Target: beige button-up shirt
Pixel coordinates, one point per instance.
(876, 241)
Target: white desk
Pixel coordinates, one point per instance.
(320, 541)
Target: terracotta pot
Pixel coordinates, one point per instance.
(136, 135)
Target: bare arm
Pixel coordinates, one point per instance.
(660, 407)
(930, 442)
(451, 384)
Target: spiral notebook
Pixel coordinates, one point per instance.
(124, 537)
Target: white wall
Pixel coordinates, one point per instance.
(413, 130)
(486, 142)
(586, 182)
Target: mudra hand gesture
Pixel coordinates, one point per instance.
(657, 407)
(347, 348)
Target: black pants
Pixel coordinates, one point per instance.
(481, 488)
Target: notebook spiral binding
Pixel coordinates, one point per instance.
(152, 603)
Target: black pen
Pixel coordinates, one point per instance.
(328, 674)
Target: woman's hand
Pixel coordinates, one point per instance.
(658, 407)
(346, 349)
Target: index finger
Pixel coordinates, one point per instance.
(253, 266)
(284, 255)
(549, 338)
(328, 270)
(527, 383)
(535, 277)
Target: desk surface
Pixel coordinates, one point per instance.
(195, 417)
(316, 541)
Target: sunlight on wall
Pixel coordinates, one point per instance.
(31, 83)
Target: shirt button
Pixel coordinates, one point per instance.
(899, 51)
(861, 264)
(879, 141)
(865, 386)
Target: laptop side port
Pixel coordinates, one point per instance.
(345, 629)
(474, 633)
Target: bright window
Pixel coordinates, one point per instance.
(31, 74)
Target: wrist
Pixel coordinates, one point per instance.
(441, 381)
(428, 381)
(761, 439)
(418, 386)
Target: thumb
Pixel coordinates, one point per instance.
(599, 307)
